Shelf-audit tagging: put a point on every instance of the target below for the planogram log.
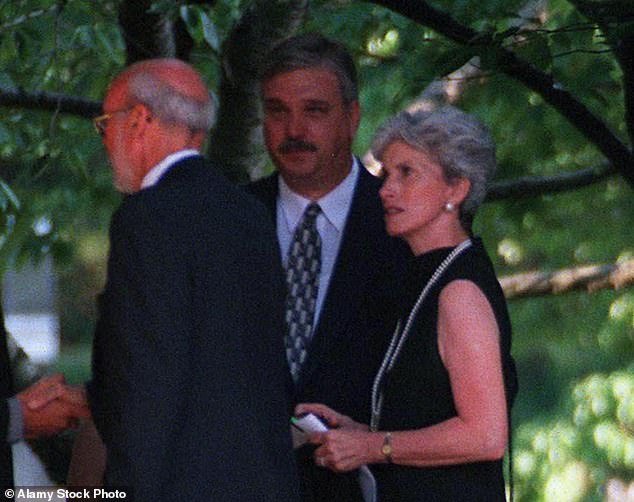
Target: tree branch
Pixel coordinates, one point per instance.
(625, 55)
(27, 17)
(449, 88)
(589, 278)
(612, 17)
(50, 102)
(542, 83)
(535, 186)
(530, 186)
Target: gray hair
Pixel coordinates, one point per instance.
(460, 143)
(170, 105)
(312, 50)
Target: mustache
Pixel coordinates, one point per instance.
(296, 145)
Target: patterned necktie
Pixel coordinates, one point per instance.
(302, 281)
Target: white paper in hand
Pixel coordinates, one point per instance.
(305, 425)
(311, 423)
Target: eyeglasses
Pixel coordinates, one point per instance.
(101, 122)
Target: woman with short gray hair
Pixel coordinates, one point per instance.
(441, 400)
(460, 144)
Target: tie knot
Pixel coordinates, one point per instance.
(312, 211)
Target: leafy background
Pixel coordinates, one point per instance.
(574, 418)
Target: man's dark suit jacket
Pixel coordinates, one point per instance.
(6, 391)
(355, 324)
(189, 389)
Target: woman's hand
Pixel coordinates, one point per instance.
(346, 446)
(333, 419)
(343, 450)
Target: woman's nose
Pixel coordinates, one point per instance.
(387, 190)
(387, 197)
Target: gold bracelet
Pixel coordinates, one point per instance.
(386, 449)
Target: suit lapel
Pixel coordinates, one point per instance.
(347, 286)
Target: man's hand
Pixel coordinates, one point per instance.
(50, 406)
(75, 395)
(42, 392)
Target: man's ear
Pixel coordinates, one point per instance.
(139, 118)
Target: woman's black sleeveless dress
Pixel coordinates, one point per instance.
(417, 392)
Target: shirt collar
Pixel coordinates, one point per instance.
(334, 205)
(154, 175)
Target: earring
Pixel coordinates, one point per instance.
(449, 207)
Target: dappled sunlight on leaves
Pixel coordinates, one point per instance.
(511, 251)
(576, 456)
(622, 307)
(385, 46)
(569, 484)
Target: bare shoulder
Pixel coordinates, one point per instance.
(463, 298)
(466, 321)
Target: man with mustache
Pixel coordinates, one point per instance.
(329, 223)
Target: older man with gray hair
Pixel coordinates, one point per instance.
(189, 373)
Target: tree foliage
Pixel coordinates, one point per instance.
(553, 79)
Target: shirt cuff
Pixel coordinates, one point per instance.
(15, 431)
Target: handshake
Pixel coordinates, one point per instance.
(50, 406)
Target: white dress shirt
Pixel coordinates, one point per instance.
(335, 206)
(154, 174)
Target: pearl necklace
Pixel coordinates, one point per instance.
(398, 338)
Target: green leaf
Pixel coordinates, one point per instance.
(7, 196)
(200, 26)
(210, 33)
(6, 81)
(104, 42)
(5, 135)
